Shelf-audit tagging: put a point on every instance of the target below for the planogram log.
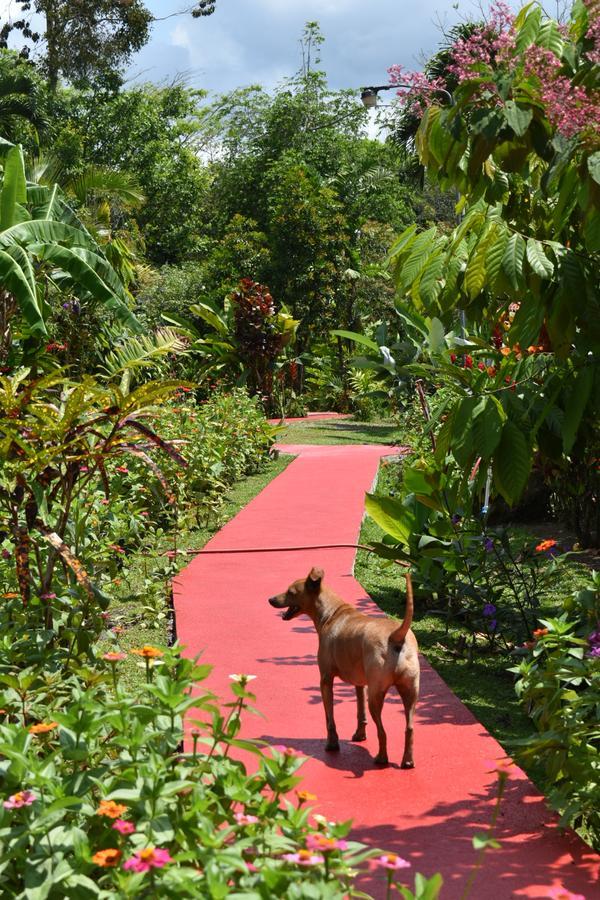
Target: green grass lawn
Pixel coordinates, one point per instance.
(341, 431)
(140, 604)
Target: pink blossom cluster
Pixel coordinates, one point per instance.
(489, 45)
(416, 90)
(593, 31)
(569, 107)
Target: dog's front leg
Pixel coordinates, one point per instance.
(361, 716)
(327, 695)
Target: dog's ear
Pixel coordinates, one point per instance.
(315, 577)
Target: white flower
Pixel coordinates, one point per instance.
(242, 679)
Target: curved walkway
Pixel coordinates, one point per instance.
(428, 815)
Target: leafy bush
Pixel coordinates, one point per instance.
(559, 683)
(101, 797)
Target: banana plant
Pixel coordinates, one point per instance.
(44, 245)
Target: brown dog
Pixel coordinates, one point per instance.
(361, 651)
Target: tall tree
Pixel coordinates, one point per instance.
(88, 42)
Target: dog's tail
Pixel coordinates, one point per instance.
(398, 636)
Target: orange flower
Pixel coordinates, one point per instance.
(546, 545)
(107, 858)
(148, 652)
(505, 351)
(305, 796)
(540, 632)
(43, 727)
(110, 809)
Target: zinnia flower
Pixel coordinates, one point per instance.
(149, 858)
(303, 858)
(325, 844)
(305, 796)
(242, 679)
(148, 652)
(244, 819)
(20, 799)
(123, 827)
(540, 632)
(545, 546)
(391, 861)
(114, 657)
(42, 727)
(110, 809)
(561, 893)
(287, 751)
(107, 858)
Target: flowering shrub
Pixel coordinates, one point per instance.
(559, 684)
(110, 802)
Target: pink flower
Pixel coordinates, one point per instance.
(124, 827)
(391, 861)
(149, 858)
(561, 893)
(303, 858)
(287, 751)
(325, 844)
(22, 798)
(243, 819)
(114, 657)
(122, 469)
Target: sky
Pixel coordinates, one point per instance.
(257, 41)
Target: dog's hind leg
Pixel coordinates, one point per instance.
(375, 708)
(409, 694)
(327, 695)
(361, 716)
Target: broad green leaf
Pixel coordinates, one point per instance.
(527, 324)
(417, 258)
(512, 463)
(211, 316)
(14, 187)
(550, 37)
(517, 117)
(512, 261)
(538, 260)
(576, 405)
(391, 516)
(475, 275)
(436, 336)
(593, 164)
(462, 443)
(495, 254)
(402, 242)
(15, 279)
(356, 337)
(82, 267)
(527, 25)
(487, 426)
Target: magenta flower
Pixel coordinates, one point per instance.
(287, 751)
(325, 844)
(22, 798)
(243, 819)
(124, 827)
(149, 858)
(391, 861)
(303, 858)
(561, 893)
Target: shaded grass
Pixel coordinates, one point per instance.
(342, 431)
(150, 573)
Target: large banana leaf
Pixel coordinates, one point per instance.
(14, 188)
(17, 277)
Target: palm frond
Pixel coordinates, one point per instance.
(143, 351)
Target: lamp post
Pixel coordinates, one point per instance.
(369, 95)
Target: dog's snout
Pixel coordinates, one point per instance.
(274, 601)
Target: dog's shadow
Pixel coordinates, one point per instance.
(309, 659)
(352, 758)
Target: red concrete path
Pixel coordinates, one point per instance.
(427, 815)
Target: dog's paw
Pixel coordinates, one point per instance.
(359, 736)
(332, 746)
(407, 764)
(380, 760)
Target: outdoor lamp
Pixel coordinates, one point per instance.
(368, 95)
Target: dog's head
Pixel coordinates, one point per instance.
(300, 597)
